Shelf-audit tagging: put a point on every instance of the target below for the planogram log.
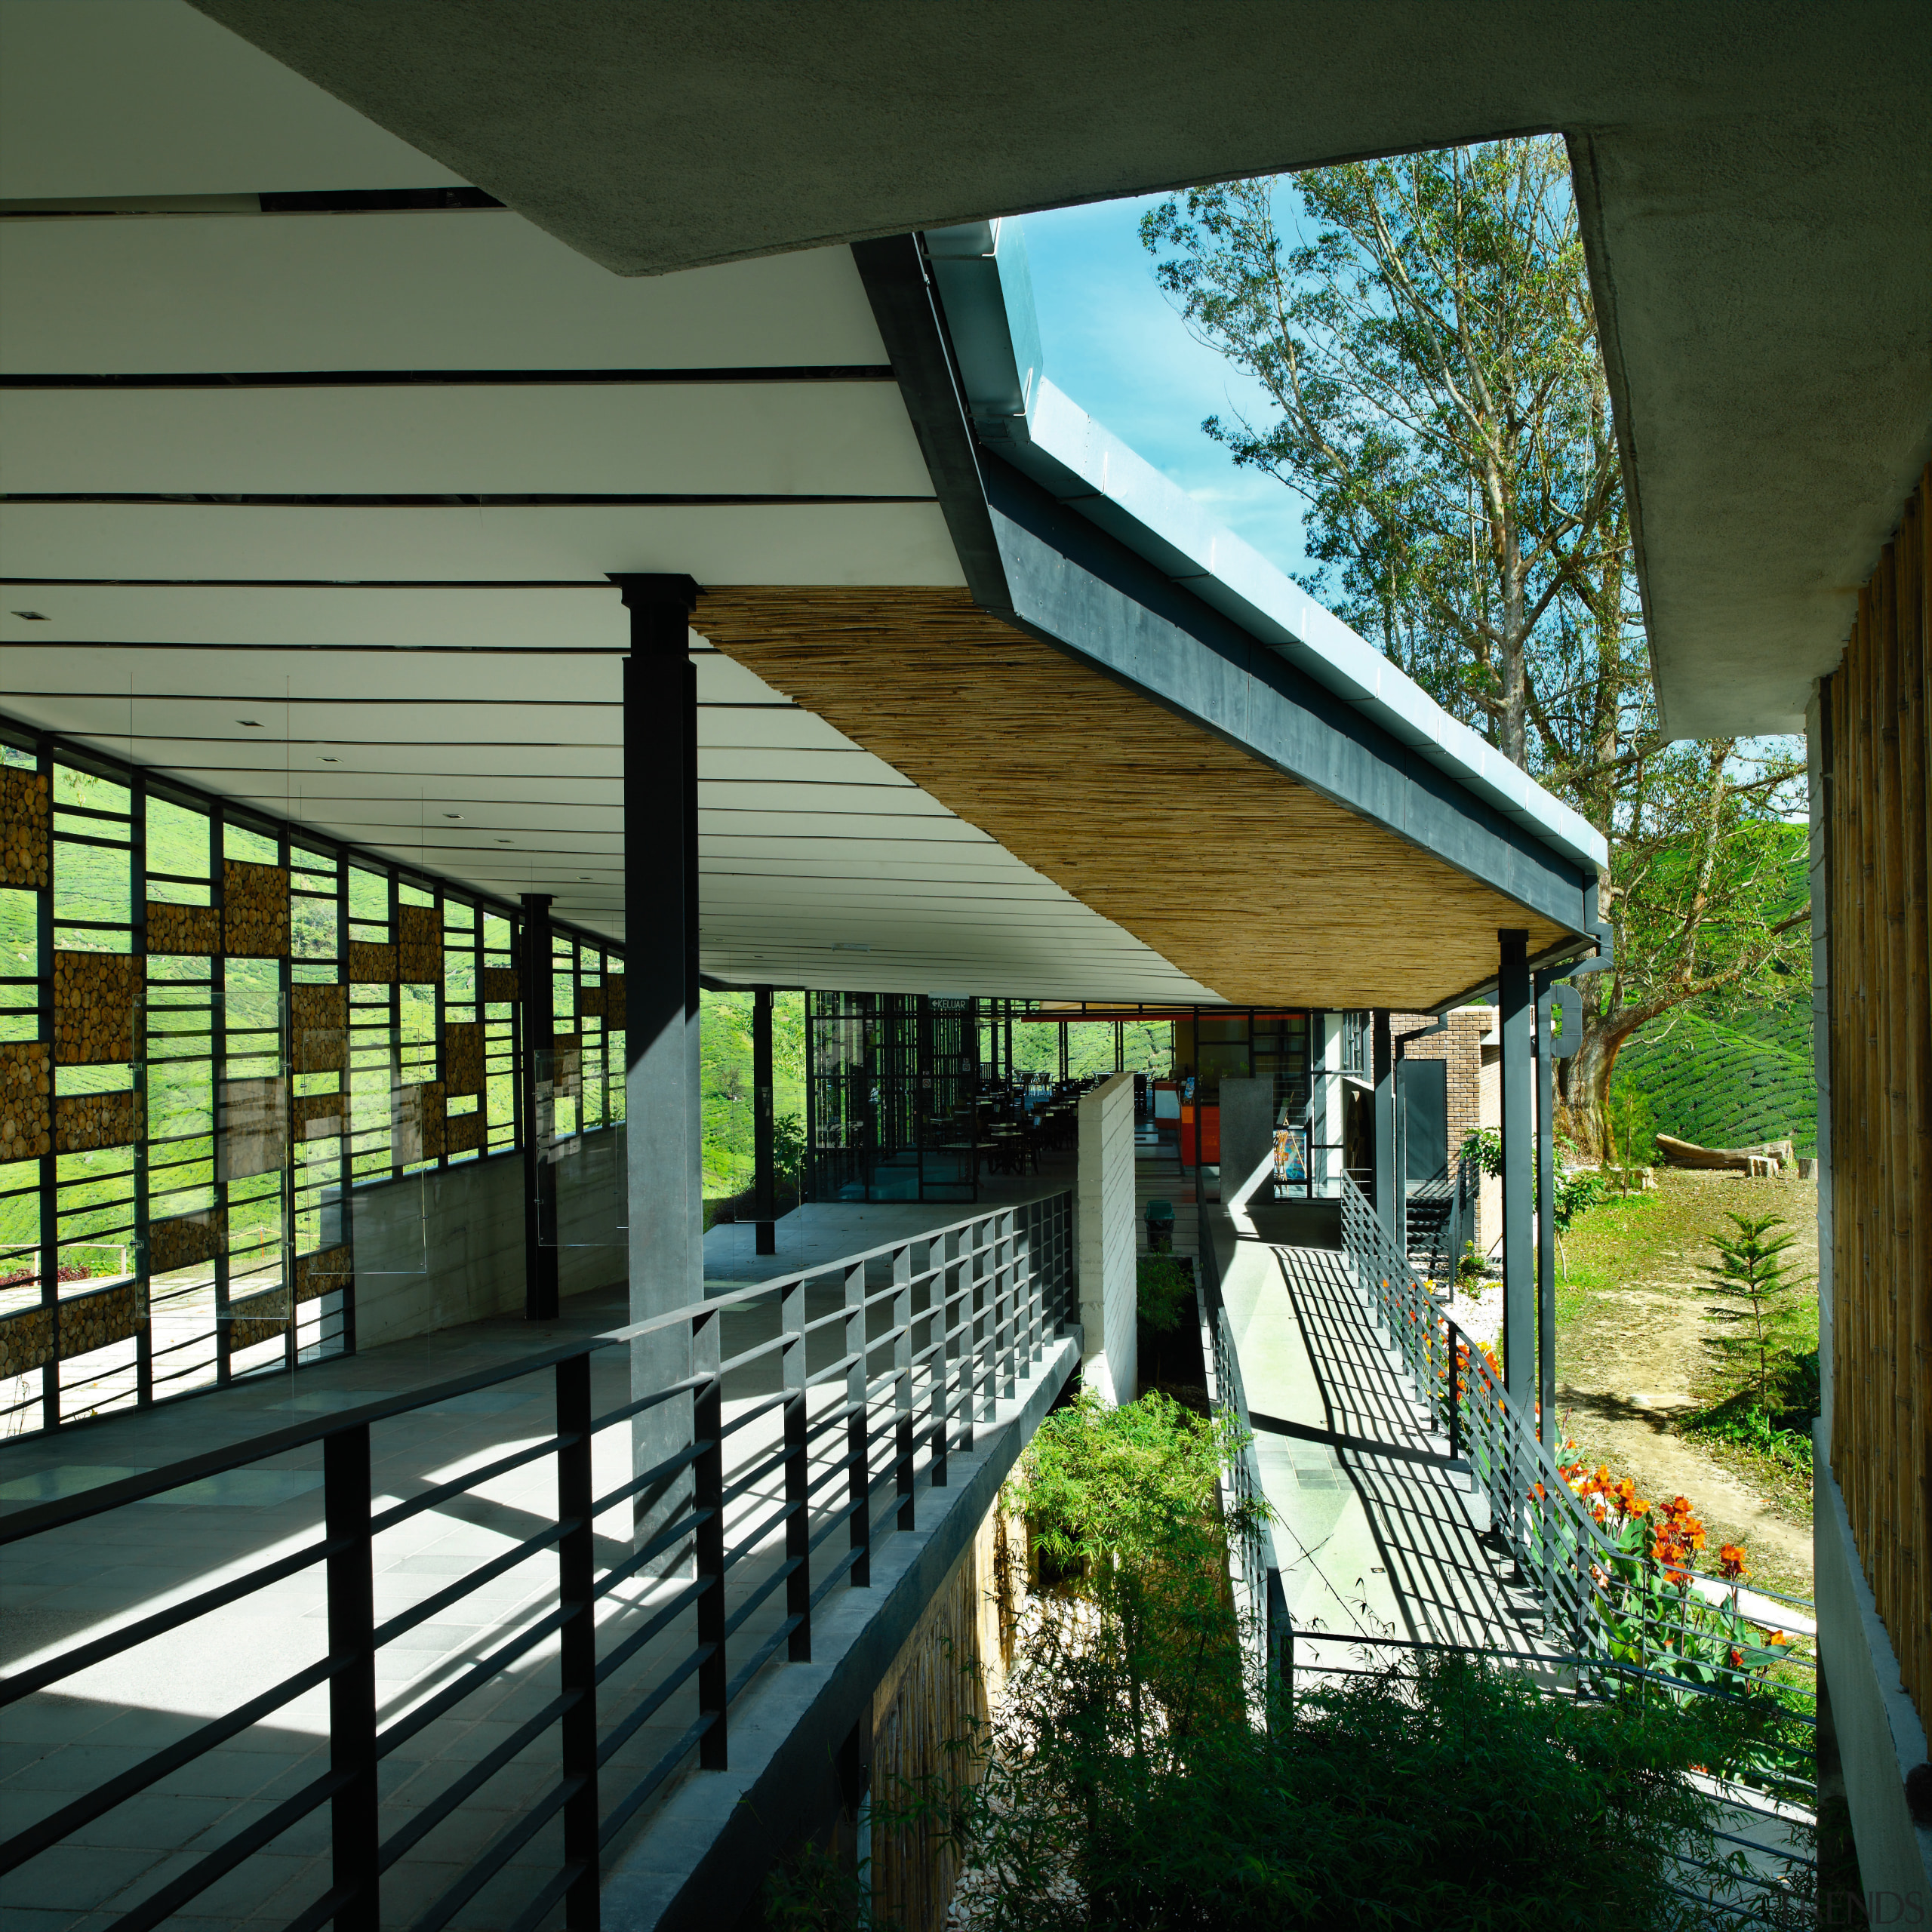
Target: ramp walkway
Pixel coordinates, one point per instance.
(1379, 1539)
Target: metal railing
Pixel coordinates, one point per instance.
(1261, 1605)
(769, 1500)
(1626, 1616)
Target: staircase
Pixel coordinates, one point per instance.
(1440, 1220)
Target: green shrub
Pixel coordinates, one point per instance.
(1164, 1292)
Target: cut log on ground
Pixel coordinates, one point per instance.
(1768, 1157)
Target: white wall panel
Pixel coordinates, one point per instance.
(702, 439)
(874, 544)
(468, 289)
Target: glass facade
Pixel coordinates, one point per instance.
(891, 1081)
(215, 1029)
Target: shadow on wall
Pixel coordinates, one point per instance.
(436, 1249)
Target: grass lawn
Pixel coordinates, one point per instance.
(1635, 1358)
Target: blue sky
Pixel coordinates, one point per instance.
(1112, 342)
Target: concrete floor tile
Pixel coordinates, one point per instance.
(77, 1879)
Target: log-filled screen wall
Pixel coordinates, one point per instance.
(215, 1029)
(1877, 722)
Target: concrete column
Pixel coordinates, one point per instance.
(662, 1104)
(1383, 1063)
(1514, 1012)
(536, 984)
(765, 1182)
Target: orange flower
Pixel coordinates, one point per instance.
(1730, 1561)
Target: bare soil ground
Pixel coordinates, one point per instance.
(1632, 1362)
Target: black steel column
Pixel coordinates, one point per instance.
(540, 1169)
(1515, 1013)
(1546, 1160)
(663, 1115)
(1120, 1047)
(1008, 1006)
(765, 1182)
(1383, 1062)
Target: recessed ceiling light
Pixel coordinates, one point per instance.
(327, 760)
(502, 841)
(583, 878)
(455, 815)
(850, 945)
(34, 616)
(253, 723)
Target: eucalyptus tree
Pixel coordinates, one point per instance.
(1423, 328)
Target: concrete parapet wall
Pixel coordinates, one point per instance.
(1109, 1294)
(436, 1249)
(1880, 1738)
(698, 1863)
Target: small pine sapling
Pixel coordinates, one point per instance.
(1750, 1270)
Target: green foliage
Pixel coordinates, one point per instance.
(1630, 1135)
(1164, 1292)
(724, 1051)
(1574, 1190)
(1721, 1082)
(1448, 1794)
(1757, 1322)
(1122, 1785)
(1482, 1148)
(1147, 1047)
(1422, 329)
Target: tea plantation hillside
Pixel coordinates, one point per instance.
(1728, 1082)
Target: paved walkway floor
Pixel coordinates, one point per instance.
(1369, 1546)
(67, 1585)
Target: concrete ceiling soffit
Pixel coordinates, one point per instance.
(653, 135)
(1762, 286)
(1757, 182)
(1243, 879)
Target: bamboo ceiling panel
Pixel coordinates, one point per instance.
(1246, 880)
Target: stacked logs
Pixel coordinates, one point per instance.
(371, 964)
(186, 1241)
(92, 1322)
(254, 910)
(499, 986)
(319, 1029)
(322, 1274)
(320, 1116)
(613, 1002)
(27, 1099)
(420, 929)
(84, 1122)
(188, 931)
(462, 1057)
(415, 1123)
(98, 998)
(25, 828)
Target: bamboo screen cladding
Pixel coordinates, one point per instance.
(214, 1030)
(1878, 722)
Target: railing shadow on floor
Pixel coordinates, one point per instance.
(774, 1470)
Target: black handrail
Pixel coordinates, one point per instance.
(850, 1436)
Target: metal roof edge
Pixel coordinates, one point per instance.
(986, 291)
